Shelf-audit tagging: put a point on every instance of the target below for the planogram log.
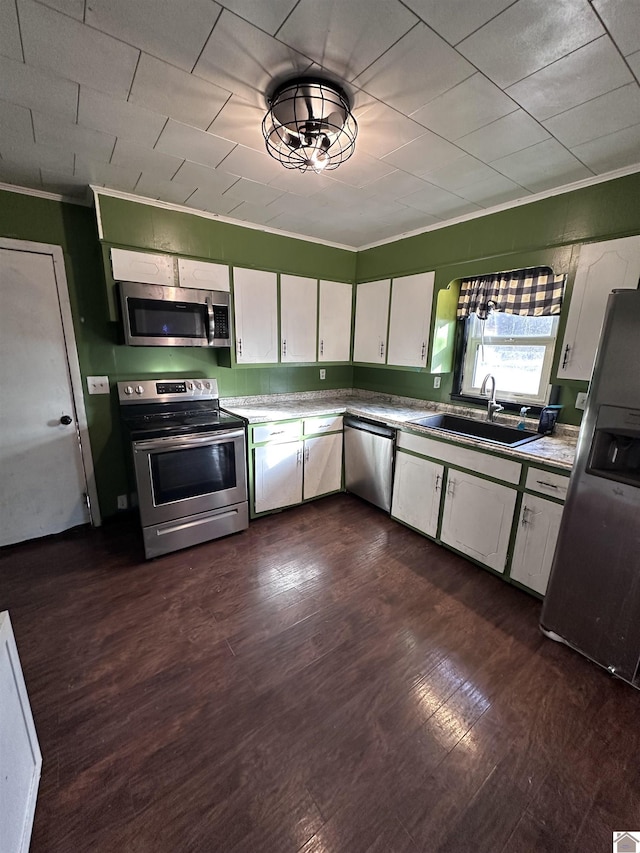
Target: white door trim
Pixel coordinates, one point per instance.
(72, 360)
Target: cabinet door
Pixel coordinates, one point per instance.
(417, 488)
(204, 274)
(256, 311)
(601, 268)
(372, 313)
(277, 475)
(334, 340)
(298, 318)
(477, 518)
(410, 319)
(538, 528)
(322, 465)
(127, 265)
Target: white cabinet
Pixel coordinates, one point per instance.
(277, 475)
(142, 266)
(601, 268)
(477, 518)
(536, 538)
(298, 318)
(417, 487)
(334, 321)
(203, 274)
(410, 319)
(256, 315)
(322, 465)
(372, 314)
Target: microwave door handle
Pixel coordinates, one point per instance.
(212, 331)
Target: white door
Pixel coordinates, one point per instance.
(334, 339)
(298, 318)
(372, 315)
(42, 476)
(255, 295)
(536, 539)
(477, 518)
(277, 475)
(410, 319)
(322, 465)
(601, 268)
(417, 486)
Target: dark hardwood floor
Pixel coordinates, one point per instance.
(326, 682)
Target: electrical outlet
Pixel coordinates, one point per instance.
(581, 400)
(323, 373)
(98, 384)
(123, 502)
(436, 381)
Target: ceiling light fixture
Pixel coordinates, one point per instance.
(309, 125)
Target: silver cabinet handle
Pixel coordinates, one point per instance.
(451, 487)
(239, 346)
(565, 359)
(284, 347)
(438, 478)
(321, 347)
(525, 516)
(424, 350)
(306, 453)
(548, 485)
(381, 349)
(277, 432)
(299, 455)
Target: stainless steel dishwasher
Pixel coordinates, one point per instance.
(368, 460)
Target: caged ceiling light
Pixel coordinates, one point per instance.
(309, 125)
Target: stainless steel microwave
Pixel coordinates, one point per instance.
(157, 316)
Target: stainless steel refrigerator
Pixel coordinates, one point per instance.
(593, 598)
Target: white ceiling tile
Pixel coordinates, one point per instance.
(414, 71)
(542, 166)
(154, 163)
(72, 50)
(459, 173)
(194, 174)
(172, 31)
(470, 105)
(40, 157)
(121, 118)
(171, 191)
(20, 175)
(346, 37)
(529, 35)
(342, 197)
(244, 60)
(494, 190)
(254, 192)
(242, 121)
(622, 19)
(38, 90)
(455, 22)
(15, 124)
(10, 31)
(436, 201)
(301, 183)
(291, 222)
(291, 203)
(81, 140)
(423, 154)
(255, 165)
(586, 73)
(599, 117)
(206, 199)
(634, 61)
(268, 16)
(189, 143)
(613, 151)
(381, 129)
(504, 136)
(396, 184)
(256, 213)
(106, 174)
(361, 170)
(68, 185)
(170, 91)
(74, 8)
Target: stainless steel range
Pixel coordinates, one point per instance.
(190, 462)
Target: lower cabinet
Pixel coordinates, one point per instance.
(477, 518)
(277, 475)
(417, 487)
(535, 544)
(322, 465)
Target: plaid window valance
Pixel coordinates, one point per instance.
(531, 293)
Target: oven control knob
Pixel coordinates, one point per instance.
(139, 389)
(207, 385)
(199, 385)
(190, 386)
(128, 390)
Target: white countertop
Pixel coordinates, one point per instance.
(558, 450)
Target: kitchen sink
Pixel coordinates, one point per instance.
(483, 430)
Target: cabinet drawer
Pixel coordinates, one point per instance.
(547, 483)
(327, 423)
(464, 457)
(289, 431)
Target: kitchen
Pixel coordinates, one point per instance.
(551, 231)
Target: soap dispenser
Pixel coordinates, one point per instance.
(523, 414)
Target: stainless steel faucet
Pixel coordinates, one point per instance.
(492, 407)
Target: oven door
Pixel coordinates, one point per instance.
(181, 476)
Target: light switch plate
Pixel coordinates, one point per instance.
(98, 384)
(323, 373)
(436, 381)
(581, 400)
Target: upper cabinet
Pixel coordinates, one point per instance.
(372, 315)
(143, 267)
(203, 274)
(334, 321)
(256, 316)
(298, 318)
(601, 268)
(410, 319)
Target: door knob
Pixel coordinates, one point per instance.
(65, 419)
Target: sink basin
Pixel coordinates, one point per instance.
(484, 430)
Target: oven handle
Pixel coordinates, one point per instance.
(182, 443)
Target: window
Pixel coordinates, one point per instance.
(516, 350)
